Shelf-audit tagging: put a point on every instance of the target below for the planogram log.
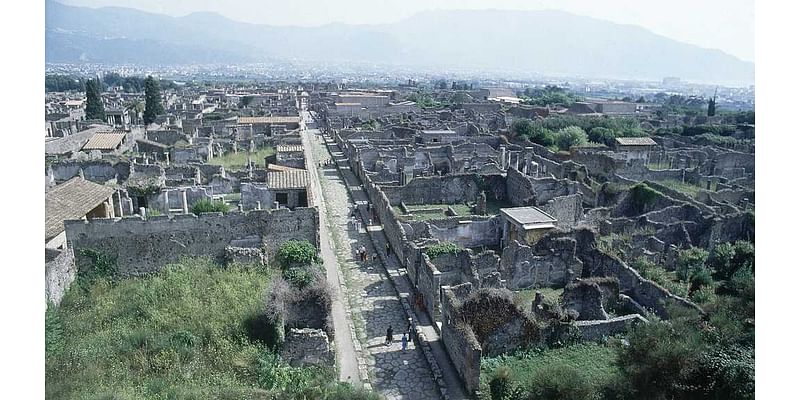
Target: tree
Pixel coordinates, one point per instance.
(152, 100)
(570, 136)
(94, 103)
(136, 107)
(712, 107)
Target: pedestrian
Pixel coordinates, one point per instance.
(412, 330)
(388, 248)
(370, 222)
(389, 337)
(404, 341)
(374, 258)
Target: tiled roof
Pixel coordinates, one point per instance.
(104, 141)
(269, 120)
(71, 200)
(289, 148)
(635, 141)
(529, 217)
(297, 179)
(276, 167)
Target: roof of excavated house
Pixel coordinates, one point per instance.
(72, 199)
(282, 180)
(104, 141)
(269, 120)
(529, 217)
(635, 141)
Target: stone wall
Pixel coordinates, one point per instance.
(461, 343)
(567, 210)
(467, 232)
(644, 292)
(551, 263)
(308, 347)
(144, 246)
(449, 189)
(59, 272)
(525, 190)
(600, 329)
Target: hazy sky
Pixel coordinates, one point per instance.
(727, 25)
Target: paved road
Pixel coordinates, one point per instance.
(373, 302)
(345, 348)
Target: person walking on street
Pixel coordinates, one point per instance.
(412, 330)
(389, 337)
(388, 248)
(404, 341)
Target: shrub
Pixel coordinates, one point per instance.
(655, 361)
(603, 135)
(691, 262)
(570, 136)
(642, 196)
(102, 266)
(443, 248)
(294, 253)
(205, 205)
(500, 384)
(302, 276)
(561, 382)
(704, 295)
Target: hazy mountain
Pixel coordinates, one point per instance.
(548, 42)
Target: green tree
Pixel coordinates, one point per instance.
(152, 100)
(570, 136)
(94, 103)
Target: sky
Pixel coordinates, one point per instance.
(727, 25)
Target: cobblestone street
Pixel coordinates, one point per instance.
(373, 302)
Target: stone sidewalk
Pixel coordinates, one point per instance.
(373, 301)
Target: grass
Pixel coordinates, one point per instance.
(424, 212)
(685, 188)
(524, 298)
(182, 333)
(234, 161)
(596, 362)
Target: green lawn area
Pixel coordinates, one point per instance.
(238, 160)
(594, 363)
(523, 298)
(187, 332)
(685, 188)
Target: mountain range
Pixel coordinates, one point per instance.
(543, 42)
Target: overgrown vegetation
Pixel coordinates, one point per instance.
(580, 371)
(548, 95)
(597, 129)
(642, 196)
(206, 205)
(443, 248)
(299, 262)
(179, 333)
(187, 332)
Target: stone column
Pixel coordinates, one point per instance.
(166, 201)
(184, 202)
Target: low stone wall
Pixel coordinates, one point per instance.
(307, 347)
(599, 329)
(459, 340)
(144, 246)
(59, 272)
